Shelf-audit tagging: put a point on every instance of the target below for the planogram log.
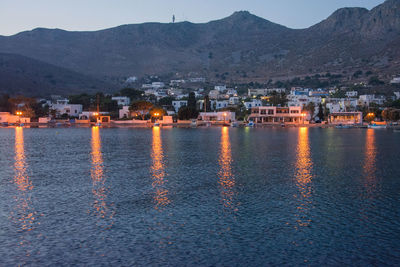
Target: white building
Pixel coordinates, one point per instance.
(7, 117)
(122, 100)
(265, 91)
(253, 103)
(222, 116)
(395, 80)
(352, 94)
(89, 114)
(157, 85)
(366, 100)
(178, 104)
(72, 110)
(213, 94)
(231, 92)
(221, 104)
(197, 80)
(271, 115)
(220, 88)
(124, 112)
(234, 100)
(397, 95)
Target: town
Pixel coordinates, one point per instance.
(189, 102)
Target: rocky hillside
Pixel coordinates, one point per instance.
(26, 76)
(241, 46)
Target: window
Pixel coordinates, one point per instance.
(270, 112)
(263, 112)
(294, 111)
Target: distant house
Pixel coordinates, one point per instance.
(221, 104)
(352, 94)
(63, 107)
(265, 91)
(395, 80)
(397, 95)
(124, 112)
(366, 100)
(122, 100)
(220, 88)
(234, 100)
(213, 94)
(178, 104)
(253, 103)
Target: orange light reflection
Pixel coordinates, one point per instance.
(99, 190)
(25, 215)
(225, 175)
(370, 160)
(158, 171)
(303, 177)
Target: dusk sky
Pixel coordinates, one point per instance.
(79, 15)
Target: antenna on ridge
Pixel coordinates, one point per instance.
(173, 18)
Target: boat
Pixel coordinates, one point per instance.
(234, 124)
(193, 124)
(377, 125)
(343, 126)
(250, 124)
(156, 124)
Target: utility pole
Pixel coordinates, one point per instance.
(173, 18)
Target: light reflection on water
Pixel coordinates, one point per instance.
(370, 161)
(225, 174)
(303, 178)
(101, 210)
(24, 214)
(158, 171)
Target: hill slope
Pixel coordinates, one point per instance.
(22, 75)
(241, 45)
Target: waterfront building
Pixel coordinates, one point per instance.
(271, 115)
(178, 104)
(221, 116)
(345, 118)
(122, 100)
(63, 107)
(7, 117)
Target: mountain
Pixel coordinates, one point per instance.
(26, 76)
(239, 47)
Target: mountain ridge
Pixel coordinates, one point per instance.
(240, 47)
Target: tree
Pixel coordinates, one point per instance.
(310, 107)
(166, 101)
(187, 113)
(5, 105)
(321, 112)
(374, 80)
(207, 104)
(278, 99)
(141, 108)
(191, 100)
(133, 94)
